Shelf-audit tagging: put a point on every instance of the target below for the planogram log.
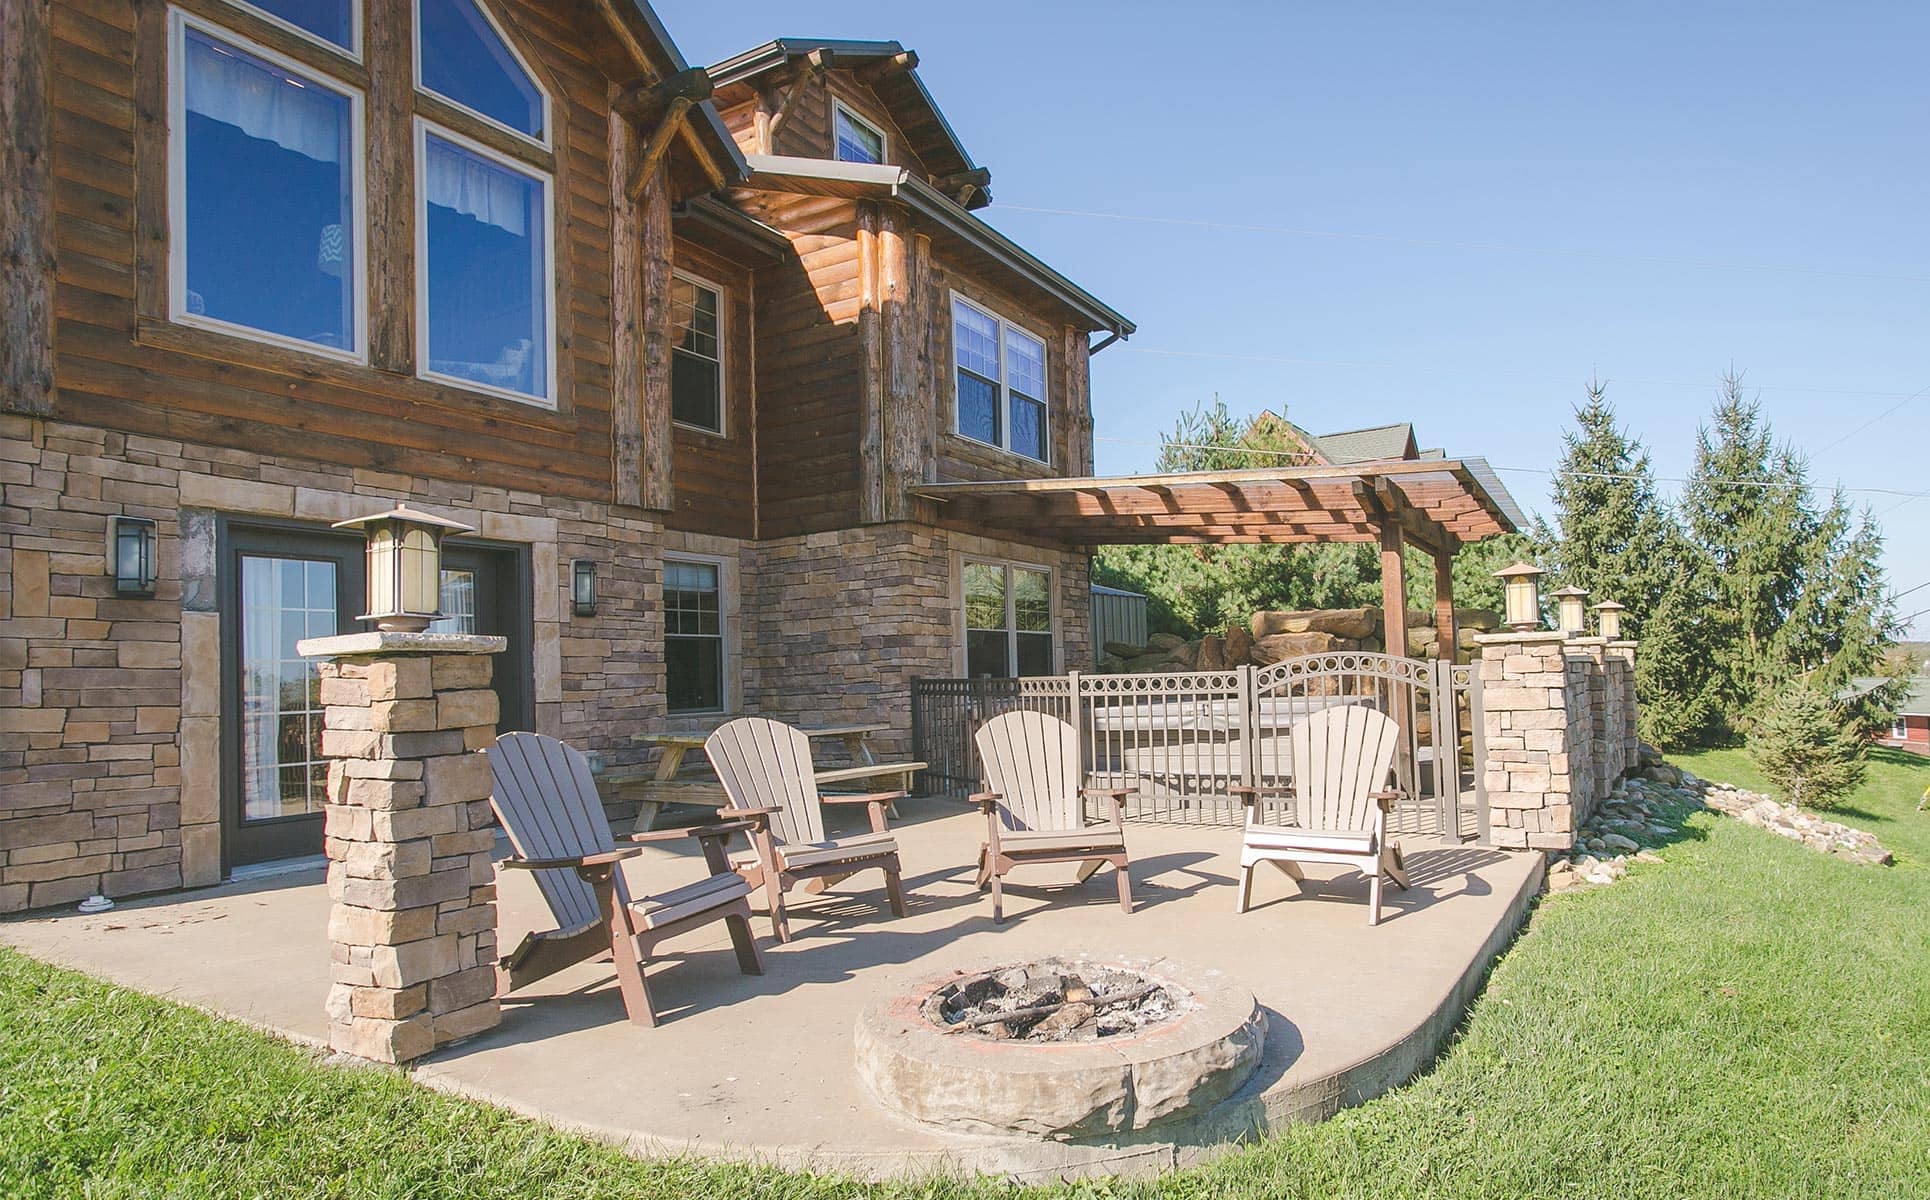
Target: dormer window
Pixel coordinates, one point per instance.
(854, 138)
(464, 58)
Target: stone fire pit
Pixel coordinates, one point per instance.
(1059, 1048)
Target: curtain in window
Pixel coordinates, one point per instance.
(262, 101)
(476, 187)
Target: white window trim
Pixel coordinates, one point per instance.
(178, 24)
(1008, 565)
(723, 364)
(482, 6)
(423, 128)
(1900, 729)
(1004, 381)
(352, 51)
(727, 685)
(884, 139)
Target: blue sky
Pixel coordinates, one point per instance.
(1528, 193)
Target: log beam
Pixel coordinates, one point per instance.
(882, 69)
(962, 186)
(657, 490)
(652, 157)
(815, 64)
(26, 209)
(1444, 605)
(1393, 588)
(646, 105)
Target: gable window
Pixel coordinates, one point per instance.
(693, 643)
(464, 58)
(335, 22)
(1001, 381)
(854, 138)
(1008, 620)
(484, 288)
(265, 196)
(696, 355)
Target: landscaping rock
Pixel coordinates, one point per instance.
(1239, 646)
(1341, 622)
(1276, 647)
(1123, 650)
(1212, 654)
(1786, 820)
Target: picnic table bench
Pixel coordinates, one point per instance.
(656, 788)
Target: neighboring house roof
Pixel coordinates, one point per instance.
(1915, 701)
(1100, 589)
(827, 177)
(1377, 444)
(912, 108)
(708, 126)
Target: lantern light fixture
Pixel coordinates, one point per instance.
(1571, 614)
(1609, 614)
(583, 587)
(134, 556)
(1521, 592)
(404, 566)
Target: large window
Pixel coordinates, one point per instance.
(856, 139)
(1000, 381)
(333, 22)
(483, 276)
(265, 195)
(693, 644)
(697, 354)
(1008, 620)
(462, 57)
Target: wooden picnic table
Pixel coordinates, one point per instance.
(663, 787)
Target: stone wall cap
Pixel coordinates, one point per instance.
(1579, 640)
(376, 642)
(1532, 636)
(1623, 644)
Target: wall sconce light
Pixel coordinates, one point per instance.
(1571, 615)
(1521, 591)
(134, 559)
(1610, 615)
(583, 587)
(404, 566)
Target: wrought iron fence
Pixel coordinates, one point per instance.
(1183, 740)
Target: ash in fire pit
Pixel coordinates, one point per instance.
(1054, 1000)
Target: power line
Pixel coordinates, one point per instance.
(1285, 360)
(1490, 247)
(1895, 596)
(1611, 475)
(1873, 420)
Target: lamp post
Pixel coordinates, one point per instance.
(1571, 615)
(1521, 589)
(404, 566)
(1609, 614)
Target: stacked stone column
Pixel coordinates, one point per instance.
(1621, 665)
(412, 923)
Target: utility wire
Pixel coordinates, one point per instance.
(1873, 420)
(1489, 374)
(1548, 471)
(1491, 247)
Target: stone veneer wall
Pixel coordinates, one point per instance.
(110, 707)
(1558, 723)
(838, 624)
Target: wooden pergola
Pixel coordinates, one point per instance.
(1436, 505)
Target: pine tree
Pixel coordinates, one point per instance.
(1675, 672)
(1611, 532)
(1807, 747)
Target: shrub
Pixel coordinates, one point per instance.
(1808, 747)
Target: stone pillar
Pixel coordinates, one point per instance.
(1604, 759)
(1621, 657)
(412, 924)
(1527, 732)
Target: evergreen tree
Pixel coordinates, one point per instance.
(1675, 672)
(1611, 534)
(1806, 747)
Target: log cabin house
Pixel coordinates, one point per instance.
(273, 264)
(729, 343)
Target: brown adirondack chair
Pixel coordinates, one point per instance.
(546, 800)
(1035, 808)
(765, 767)
(1341, 758)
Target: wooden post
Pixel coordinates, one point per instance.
(26, 210)
(655, 382)
(1077, 402)
(391, 210)
(626, 312)
(1444, 627)
(1393, 586)
(905, 401)
(871, 391)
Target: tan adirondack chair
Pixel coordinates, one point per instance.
(765, 767)
(1341, 759)
(546, 799)
(1035, 808)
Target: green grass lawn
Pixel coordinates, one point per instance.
(1747, 1018)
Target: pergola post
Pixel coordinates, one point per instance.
(1444, 626)
(1393, 586)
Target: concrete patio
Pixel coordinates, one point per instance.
(761, 1067)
